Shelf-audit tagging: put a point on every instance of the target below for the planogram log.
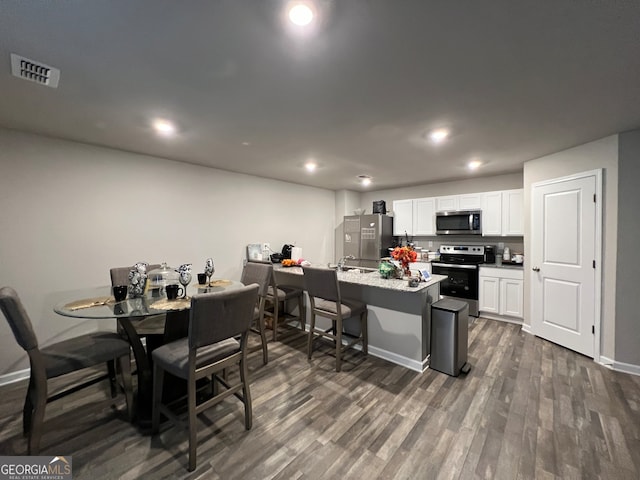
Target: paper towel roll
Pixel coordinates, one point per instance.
(296, 253)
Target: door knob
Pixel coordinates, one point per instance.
(535, 269)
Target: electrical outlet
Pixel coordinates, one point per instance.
(430, 244)
(501, 245)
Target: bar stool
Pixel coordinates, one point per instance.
(281, 294)
(326, 301)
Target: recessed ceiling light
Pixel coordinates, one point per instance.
(474, 164)
(301, 14)
(164, 127)
(439, 135)
(365, 180)
(310, 166)
(246, 144)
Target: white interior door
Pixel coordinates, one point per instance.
(563, 244)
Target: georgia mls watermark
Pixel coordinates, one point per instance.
(35, 468)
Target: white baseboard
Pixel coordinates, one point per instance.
(620, 366)
(409, 363)
(606, 362)
(13, 377)
(500, 318)
(527, 329)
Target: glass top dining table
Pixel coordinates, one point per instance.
(98, 303)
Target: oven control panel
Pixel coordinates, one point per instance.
(462, 249)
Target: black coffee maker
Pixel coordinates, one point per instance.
(489, 254)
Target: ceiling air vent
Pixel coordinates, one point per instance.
(36, 72)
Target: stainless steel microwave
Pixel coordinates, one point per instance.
(459, 222)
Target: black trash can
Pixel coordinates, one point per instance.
(449, 336)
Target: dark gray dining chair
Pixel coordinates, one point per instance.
(215, 321)
(260, 273)
(326, 301)
(60, 359)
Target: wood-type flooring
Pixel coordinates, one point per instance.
(528, 409)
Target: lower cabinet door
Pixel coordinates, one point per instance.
(511, 301)
(489, 295)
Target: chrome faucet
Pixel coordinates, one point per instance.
(342, 261)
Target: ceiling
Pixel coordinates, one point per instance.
(357, 92)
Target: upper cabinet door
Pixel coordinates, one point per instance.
(470, 201)
(513, 212)
(424, 210)
(403, 217)
(492, 214)
(448, 203)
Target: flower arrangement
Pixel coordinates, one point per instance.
(404, 255)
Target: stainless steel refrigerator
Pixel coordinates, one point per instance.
(367, 238)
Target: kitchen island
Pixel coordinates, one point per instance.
(399, 320)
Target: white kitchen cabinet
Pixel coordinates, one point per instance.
(492, 214)
(503, 213)
(511, 293)
(424, 210)
(402, 217)
(470, 201)
(513, 212)
(489, 294)
(501, 292)
(448, 203)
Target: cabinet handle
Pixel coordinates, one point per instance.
(535, 269)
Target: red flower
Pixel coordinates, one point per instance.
(404, 254)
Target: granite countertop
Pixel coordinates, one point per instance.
(371, 279)
(514, 266)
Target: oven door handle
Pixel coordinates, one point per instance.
(455, 265)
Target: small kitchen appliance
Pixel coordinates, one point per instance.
(489, 254)
(459, 222)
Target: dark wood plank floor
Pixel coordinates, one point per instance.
(527, 409)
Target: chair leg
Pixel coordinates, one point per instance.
(113, 379)
(27, 411)
(276, 314)
(246, 393)
(158, 380)
(263, 339)
(125, 371)
(301, 312)
(191, 400)
(312, 328)
(365, 334)
(39, 400)
(338, 334)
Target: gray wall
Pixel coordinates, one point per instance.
(627, 345)
(71, 211)
(594, 155)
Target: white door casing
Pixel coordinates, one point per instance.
(565, 261)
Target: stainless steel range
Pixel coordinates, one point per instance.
(460, 263)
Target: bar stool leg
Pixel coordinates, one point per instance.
(365, 333)
(338, 333)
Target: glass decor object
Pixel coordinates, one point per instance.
(159, 278)
(138, 279)
(387, 270)
(184, 276)
(208, 270)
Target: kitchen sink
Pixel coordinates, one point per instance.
(359, 269)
